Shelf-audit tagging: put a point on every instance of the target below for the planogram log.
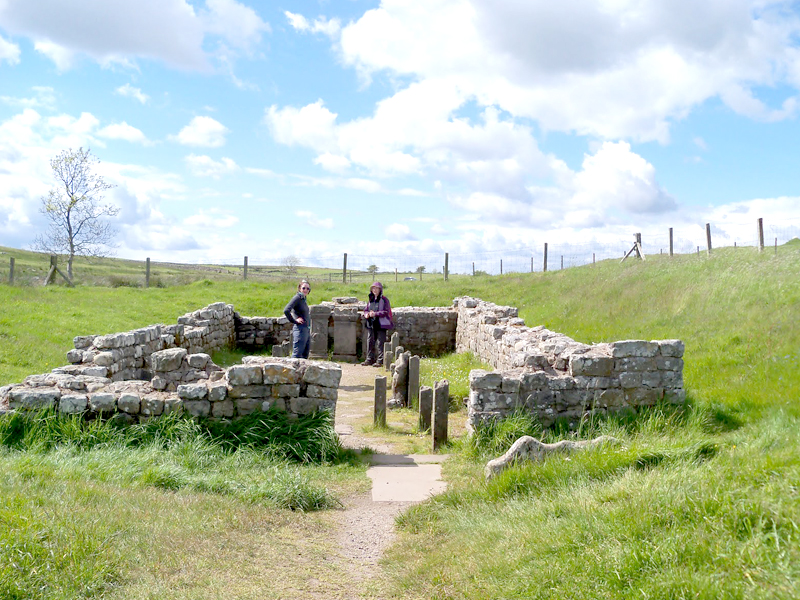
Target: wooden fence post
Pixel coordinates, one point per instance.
(147, 273)
(11, 272)
(531, 264)
(708, 237)
(562, 262)
(760, 234)
(245, 268)
(670, 241)
(473, 269)
(379, 419)
(776, 246)
(544, 265)
(344, 269)
(501, 266)
(446, 265)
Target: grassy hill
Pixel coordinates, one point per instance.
(701, 503)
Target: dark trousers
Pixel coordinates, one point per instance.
(301, 341)
(376, 337)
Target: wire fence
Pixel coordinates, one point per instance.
(550, 256)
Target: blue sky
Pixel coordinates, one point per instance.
(397, 131)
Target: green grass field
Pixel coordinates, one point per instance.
(696, 503)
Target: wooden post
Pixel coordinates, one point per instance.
(245, 268)
(395, 274)
(351, 275)
(670, 241)
(531, 264)
(379, 419)
(344, 269)
(11, 272)
(413, 381)
(544, 266)
(776, 246)
(501, 266)
(446, 265)
(51, 275)
(425, 407)
(441, 404)
(698, 251)
(760, 234)
(147, 273)
(473, 269)
(708, 237)
(562, 262)
(593, 259)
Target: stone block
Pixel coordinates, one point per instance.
(485, 380)
(33, 398)
(249, 391)
(102, 402)
(326, 393)
(279, 372)
(217, 391)
(286, 390)
(674, 348)
(129, 403)
(303, 405)
(75, 356)
(323, 374)
(197, 408)
(152, 406)
(167, 360)
(510, 385)
(198, 361)
(173, 404)
(675, 396)
(193, 391)
(223, 409)
(590, 366)
(634, 364)
(245, 375)
(669, 363)
(630, 380)
(73, 403)
(247, 406)
(634, 348)
(273, 403)
(82, 342)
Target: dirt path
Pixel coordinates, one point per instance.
(364, 527)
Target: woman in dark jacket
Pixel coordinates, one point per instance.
(378, 319)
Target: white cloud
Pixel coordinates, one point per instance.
(238, 24)
(332, 162)
(313, 220)
(329, 27)
(129, 91)
(9, 51)
(397, 232)
(608, 69)
(311, 126)
(43, 97)
(205, 166)
(123, 131)
(202, 131)
(213, 218)
(168, 30)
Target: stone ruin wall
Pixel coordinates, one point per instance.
(553, 376)
(160, 368)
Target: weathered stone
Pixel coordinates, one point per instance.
(72, 403)
(152, 406)
(217, 391)
(634, 348)
(249, 391)
(167, 360)
(323, 374)
(102, 402)
(286, 390)
(590, 366)
(674, 348)
(245, 375)
(278, 372)
(198, 361)
(222, 409)
(193, 391)
(247, 406)
(483, 380)
(326, 393)
(197, 408)
(33, 398)
(273, 403)
(129, 403)
(303, 405)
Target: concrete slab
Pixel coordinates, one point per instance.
(405, 478)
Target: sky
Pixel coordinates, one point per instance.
(400, 130)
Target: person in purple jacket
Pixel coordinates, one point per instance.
(378, 319)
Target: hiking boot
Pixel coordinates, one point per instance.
(367, 363)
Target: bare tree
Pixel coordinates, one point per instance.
(290, 263)
(74, 209)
